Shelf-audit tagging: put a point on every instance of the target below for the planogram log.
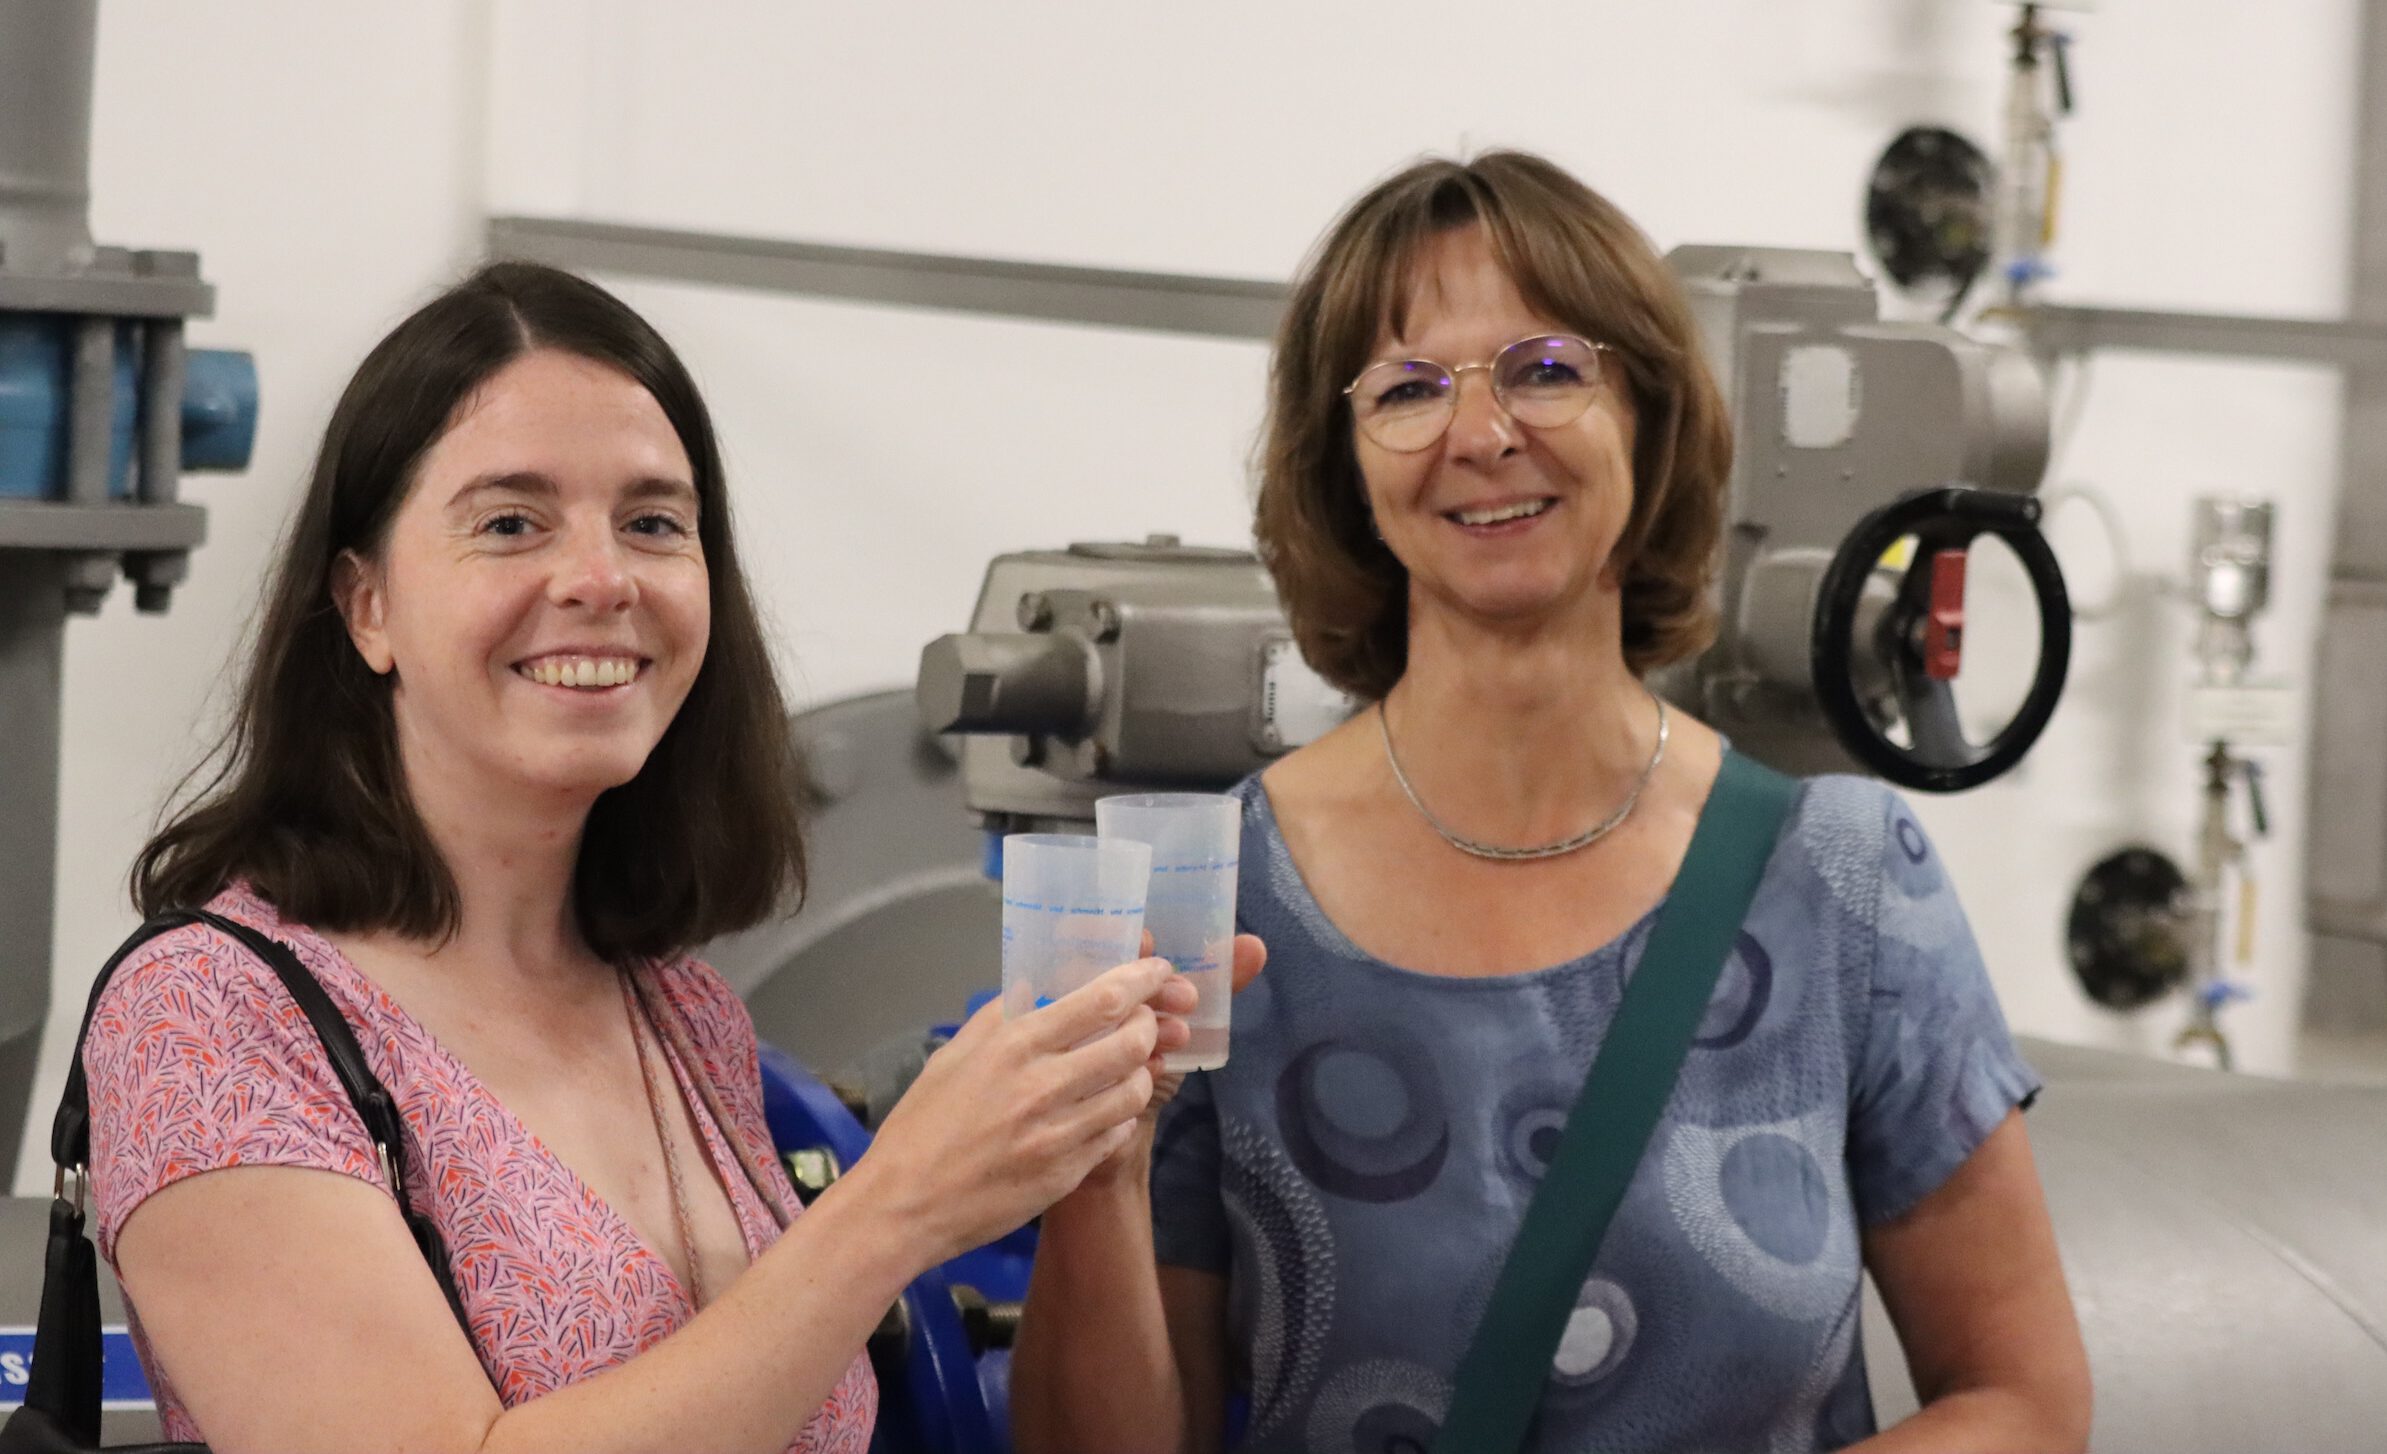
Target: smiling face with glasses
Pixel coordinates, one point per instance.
(1502, 496)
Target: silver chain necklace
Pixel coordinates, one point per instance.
(1564, 846)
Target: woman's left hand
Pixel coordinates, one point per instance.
(1174, 1001)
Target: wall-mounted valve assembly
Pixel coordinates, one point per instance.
(102, 410)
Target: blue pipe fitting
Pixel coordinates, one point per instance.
(219, 407)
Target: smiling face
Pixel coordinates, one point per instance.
(541, 599)
(1498, 521)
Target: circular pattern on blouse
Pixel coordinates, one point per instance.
(1282, 1310)
(1365, 1119)
(1382, 1406)
(1529, 1122)
(1756, 1203)
(1599, 1335)
(1744, 988)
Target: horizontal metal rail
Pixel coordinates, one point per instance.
(2324, 341)
(1103, 297)
(1246, 307)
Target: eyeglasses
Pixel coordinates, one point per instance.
(1543, 381)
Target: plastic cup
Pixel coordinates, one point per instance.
(1196, 839)
(1073, 906)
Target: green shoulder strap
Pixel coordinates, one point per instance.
(1499, 1382)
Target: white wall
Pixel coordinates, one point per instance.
(325, 162)
(331, 165)
(2207, 170)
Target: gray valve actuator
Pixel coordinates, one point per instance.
(1102, 668)
(1108, 667)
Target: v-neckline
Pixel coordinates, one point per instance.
(711, 1137)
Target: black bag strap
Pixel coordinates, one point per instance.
(63, 1386)
(1499, 1382)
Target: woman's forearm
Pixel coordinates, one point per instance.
(1093, 1370)
(1978, 1421)
(746, 1373)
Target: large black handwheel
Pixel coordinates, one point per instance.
(1920, 636)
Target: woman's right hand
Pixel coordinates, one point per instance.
(1009, 1115)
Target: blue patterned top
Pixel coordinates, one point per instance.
(1360, 1166)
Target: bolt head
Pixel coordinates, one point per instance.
(1035, 613)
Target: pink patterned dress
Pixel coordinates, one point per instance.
(199, 1059)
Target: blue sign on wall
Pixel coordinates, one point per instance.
(121, 1385)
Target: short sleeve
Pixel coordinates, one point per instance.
(1189, 1216)
(1936, 1070)
(198, 1059)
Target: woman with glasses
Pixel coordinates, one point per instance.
(1492, 487)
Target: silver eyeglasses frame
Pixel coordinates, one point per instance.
(1450, 407)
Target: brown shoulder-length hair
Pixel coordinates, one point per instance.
(307, 799)
(1579, 262)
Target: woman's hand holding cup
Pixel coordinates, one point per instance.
(1011, 1114)
(1175, 998)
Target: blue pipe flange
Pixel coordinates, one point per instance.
(218, 424)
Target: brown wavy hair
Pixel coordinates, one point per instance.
(304, 795)
(1577, 261)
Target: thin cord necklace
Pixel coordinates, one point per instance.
(671, 1157)
(1564, 846)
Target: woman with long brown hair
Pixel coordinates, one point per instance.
(508, 748)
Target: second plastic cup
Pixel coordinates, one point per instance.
(1196, 839)
(1073, 906)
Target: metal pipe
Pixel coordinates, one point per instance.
(46, 50)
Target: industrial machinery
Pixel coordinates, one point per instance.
(1109, 665)
(1852, 435)
(2139, 926)
(102, 409)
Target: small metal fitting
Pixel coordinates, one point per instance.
(1035, 613)
(89, 578)
(160, 262)
(813, 1169)
(82, 1180)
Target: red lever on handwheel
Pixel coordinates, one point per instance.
(1918, 639)
(1943, 627)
